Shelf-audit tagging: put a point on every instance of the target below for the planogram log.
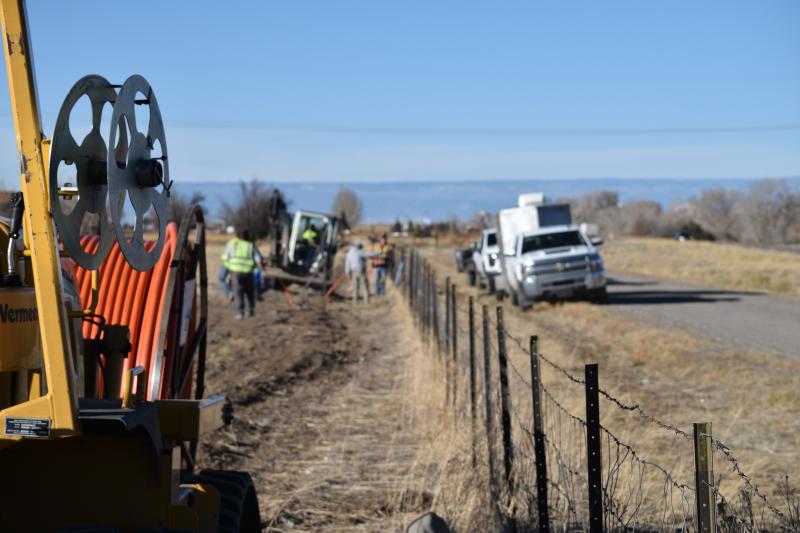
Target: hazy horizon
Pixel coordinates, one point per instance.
(439, 200)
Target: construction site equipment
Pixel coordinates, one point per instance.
(102, 365)
(299, 258)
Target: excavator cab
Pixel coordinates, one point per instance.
(312, 244)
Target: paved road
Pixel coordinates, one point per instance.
(742, 319)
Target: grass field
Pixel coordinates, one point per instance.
(750, 397)
(721, 265)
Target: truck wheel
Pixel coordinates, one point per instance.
(514, 298)
(491, 285)
(524, 303)
(499, 295)
(471, 278)
(599, 296)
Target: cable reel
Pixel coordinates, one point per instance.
(107, 177)
(139, 174)
(89, 158)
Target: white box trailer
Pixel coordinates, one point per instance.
(531, 199)
(513, 221)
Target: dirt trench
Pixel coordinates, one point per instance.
(323, 421)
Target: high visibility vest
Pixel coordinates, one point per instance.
(241, 260)
(309, 235)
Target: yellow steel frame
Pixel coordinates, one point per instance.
(59, 405)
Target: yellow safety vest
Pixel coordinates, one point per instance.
(242, 258)
(309, 235)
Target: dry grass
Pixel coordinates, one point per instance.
(443, 478)
(750, 397)
(722, 265)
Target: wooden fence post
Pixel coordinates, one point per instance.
(539, 452)
(704, 478)
(473, 400)
(593, 451)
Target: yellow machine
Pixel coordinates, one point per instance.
(102, 338)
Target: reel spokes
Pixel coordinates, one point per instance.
(132, 167)
(143, 176)
(88, 155)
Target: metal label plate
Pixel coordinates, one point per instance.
(28, 427)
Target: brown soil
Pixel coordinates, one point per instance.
(322, 421)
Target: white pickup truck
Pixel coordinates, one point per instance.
(486, 258)
(544, 256)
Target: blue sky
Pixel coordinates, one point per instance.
(393, 91)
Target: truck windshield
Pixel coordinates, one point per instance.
(491, 239)
(552, 240)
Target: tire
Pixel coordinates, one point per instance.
(491, 285)
(471, 278)
(514, 298)
(238, 511)
(599, 296)
(500, 295)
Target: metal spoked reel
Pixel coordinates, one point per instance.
(89, 157)
(137, 174)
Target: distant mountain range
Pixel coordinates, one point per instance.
(387, 202)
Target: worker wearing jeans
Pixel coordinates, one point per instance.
(224, 279)
(355, 265)
(242, 258)
(380, 264)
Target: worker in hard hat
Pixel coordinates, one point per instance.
(380, 264)
(243, 258)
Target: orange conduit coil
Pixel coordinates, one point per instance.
(134, 299)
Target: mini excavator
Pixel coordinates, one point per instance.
(296, 260)
(103, 335)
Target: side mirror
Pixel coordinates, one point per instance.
(596, 241)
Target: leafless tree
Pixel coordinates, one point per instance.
(256, 209)
(769, 213)
(179, 203)
(586, 207)
(717, 212)
(348, 207)
(640, 217)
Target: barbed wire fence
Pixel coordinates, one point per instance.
(548, 467)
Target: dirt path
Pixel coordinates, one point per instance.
(321, 417)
